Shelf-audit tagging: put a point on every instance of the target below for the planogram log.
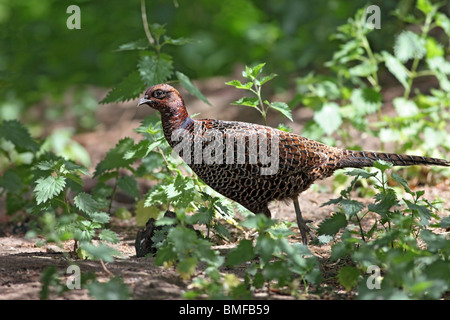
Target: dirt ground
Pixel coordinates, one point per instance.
(22, 261)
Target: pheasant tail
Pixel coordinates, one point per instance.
(359, 159)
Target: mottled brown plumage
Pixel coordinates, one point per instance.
(295, 162)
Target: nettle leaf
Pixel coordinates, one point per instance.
(99, 217)
(366, 100)
(238, 85)
(251, 102)
(177, 42)
(130, 88)
(396, 68)
(348, 277)
(16, 132)
(115, 158)
(333, 224)
(409, 45)
(48, 188)
(129, 185)
(351, 207)
(109, 236)
(405, 108)
(328, 118)
(282, 107)
(85, 203)
(154, 70)
(243, 252)
(140, 44)
(190, 87)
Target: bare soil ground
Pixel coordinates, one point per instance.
(22, 261)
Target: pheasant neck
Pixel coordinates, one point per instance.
(173, 119)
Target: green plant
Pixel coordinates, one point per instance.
(254, 85)
(352, 93)
(392, 234)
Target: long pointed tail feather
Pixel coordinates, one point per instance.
(359, 159)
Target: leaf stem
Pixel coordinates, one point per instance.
(145, 23)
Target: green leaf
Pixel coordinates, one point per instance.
(140, 44)
(243, 252)
(328, 118)
(10, 181)
(348, 277)
(129, 185)
(14, 131)
(251, 102)
(154, 70)
(85, 203)
(101, 251)
(267, 78)
(409, 45)
(176, 42)
(425, 6)
(99, 217)
(109, 236)
(130, 88)
(190, 87)
(282, 107)
(402, 181)
(405, 108)
(396, 68)
(114, 289)
(351, 207)
(48, 188)
(333, 224)
(238, 85)
(114, 159)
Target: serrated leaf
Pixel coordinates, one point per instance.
(409, 45)
(251, 102)
(402, 181)
(130, 88)
(14, 131)
(396, 68)
(351, 207)
(85, 203)
(328, 118)
(10, 181)
(128, 185)
(48, 188)
(140, 44)
(154, 70)
(143, 214)
(109, 236)
(101, 251)
(190, 87)
(238, 85)
(114, 159)
(267, 78)
(333, 224)
(366, 100)
(243, 252)
(348, 277)
(99, 217)
(177, 41)
(282, 107)
(405, 108)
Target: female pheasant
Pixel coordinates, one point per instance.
(254, 164)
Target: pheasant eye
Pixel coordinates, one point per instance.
(158, 94)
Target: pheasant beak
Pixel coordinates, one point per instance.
(144, 101)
